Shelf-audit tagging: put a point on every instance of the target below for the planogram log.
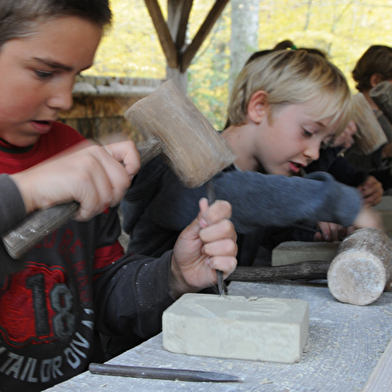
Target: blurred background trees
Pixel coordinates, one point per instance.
(343, 29)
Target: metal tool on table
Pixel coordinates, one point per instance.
(178, 132)
(161, 373)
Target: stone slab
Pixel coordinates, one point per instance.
(292, 252)
(386, 218)
(264, 329)
(385, 204)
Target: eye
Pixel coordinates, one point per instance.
(43, 74)
(307, 133)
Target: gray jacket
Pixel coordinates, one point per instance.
(157, 207)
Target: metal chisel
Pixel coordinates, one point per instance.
(161, 373)
(222, 288)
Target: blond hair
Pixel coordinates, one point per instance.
(293, 77)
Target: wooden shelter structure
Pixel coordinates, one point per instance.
(100, 102)
(172, 33)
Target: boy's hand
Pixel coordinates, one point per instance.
(207, 244)
(368, 218)
(331, 232)
(372, 191)
(96, 177)
(334, 232)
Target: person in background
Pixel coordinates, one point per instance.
(373, 67)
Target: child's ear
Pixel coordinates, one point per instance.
(375, 79)
(257, 106)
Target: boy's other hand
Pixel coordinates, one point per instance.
(96, 177)
(206, 245)
(331, 232)
(372, 191)
(368, 218)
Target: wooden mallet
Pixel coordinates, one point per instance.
(369, 136)
(362, 267)
(381, 94)
(172, 127)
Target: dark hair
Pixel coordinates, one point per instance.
(18, 18)
(315, 51)
(286, 44)
(376, 60)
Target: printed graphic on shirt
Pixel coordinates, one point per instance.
(36, 370)
(39, 306)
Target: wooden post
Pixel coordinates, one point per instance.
(172, 34)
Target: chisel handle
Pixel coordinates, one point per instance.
(36, 227)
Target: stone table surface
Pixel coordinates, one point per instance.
(344, 346)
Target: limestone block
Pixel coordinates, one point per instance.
(386, 218)
(385, 204)
(292, 252)
(265, 329)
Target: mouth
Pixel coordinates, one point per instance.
(42, 126)
(295, 167)
(43, 121)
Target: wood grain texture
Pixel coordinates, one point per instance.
(202, 33)
(163, 32)
(362, 267)
(381, 378)
(190, 144)
(369, 136)
(305, 270)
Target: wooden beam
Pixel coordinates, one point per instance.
(201, 35)
(309, 270)
(163, 32)
(381, 378)
(178, 17)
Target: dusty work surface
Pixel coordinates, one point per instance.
(345, 344)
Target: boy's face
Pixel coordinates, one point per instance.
(37, 75)
(292, 139)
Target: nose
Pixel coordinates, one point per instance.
(312, 150)
(60, 97)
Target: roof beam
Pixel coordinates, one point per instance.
(163, 32)
(178, 17)
(179, 11)
(201, 35)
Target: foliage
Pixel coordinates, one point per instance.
(344, 29)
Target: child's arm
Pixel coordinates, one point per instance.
(334, 232)
(206, 245)
(96, 177)
(258, 200)
(133, 292)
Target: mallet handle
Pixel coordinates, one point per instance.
(39, 224)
